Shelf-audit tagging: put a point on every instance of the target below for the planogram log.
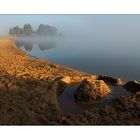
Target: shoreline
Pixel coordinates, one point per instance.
(30, 86)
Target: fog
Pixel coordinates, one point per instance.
(99, 27)
(98, 44)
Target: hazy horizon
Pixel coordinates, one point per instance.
(103, 26)
(100, 44)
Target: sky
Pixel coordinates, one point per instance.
(6, 21)
(103, 26)
(115, 35)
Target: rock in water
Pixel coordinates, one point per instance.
(132, 86)
(91, 90)
(111, 80)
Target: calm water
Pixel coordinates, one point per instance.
(88, 56)
(96, 44)
(68, 103)
(110, 57)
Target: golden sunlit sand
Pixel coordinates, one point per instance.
(29, 88)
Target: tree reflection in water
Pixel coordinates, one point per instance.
(28, 45)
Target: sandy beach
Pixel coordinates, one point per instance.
(29, 90)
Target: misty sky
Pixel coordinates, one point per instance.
(98, 26)
(101, 43)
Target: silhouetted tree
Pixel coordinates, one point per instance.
(15, 30)
(11, 31)
(46, 30)
(27, 29)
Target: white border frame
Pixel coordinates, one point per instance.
(70, 7)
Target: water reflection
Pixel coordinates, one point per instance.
(112, 58)
(46, 46)
(70, 105)
(28, 45)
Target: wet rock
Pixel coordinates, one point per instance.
(111, 80)
(91, 90)
(132, 86)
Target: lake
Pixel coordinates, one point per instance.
(111, 57)
(85, 56)
(109, 47)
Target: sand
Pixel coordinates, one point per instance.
(29, 89)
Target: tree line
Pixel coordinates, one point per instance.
(28, 30)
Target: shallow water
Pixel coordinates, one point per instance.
(69, 105)
(66, 101)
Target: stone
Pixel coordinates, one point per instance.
(76, 79)
(111, 80)
(66, 79)
(132, 86)
(79, 79)
(91, 90)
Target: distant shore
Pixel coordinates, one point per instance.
(29, 88)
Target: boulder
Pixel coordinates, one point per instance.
(132, 86)
(111, 80)
(91, 90)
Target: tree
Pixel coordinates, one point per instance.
(15, 30)
(11, 31)
(46, 30)
(27, 29)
